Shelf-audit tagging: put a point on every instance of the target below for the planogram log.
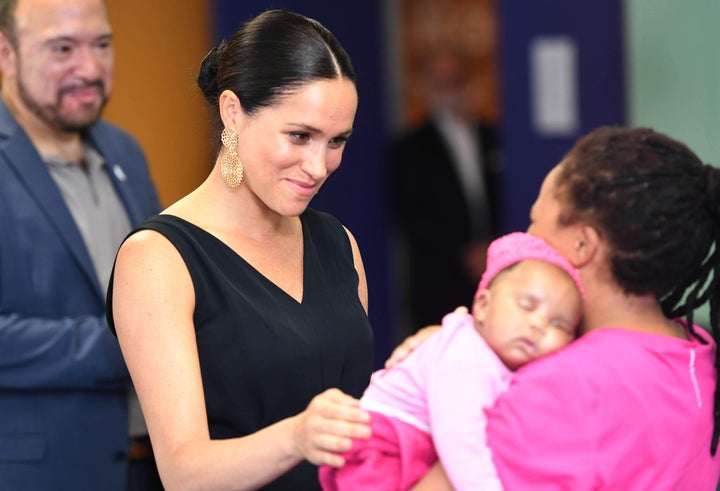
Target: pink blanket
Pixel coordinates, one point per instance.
(394, 459)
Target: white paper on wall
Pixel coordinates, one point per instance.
(554, 86)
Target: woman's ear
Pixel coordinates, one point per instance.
(586, 245)
(230, 109)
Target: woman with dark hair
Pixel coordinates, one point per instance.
(242, 313)
(632, 404)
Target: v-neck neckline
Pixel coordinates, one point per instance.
(267, 280)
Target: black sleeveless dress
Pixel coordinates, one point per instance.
(263, 355)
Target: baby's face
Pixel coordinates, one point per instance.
(529, 311)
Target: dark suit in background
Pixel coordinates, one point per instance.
(432, 214)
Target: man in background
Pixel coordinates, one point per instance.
(71, 188)
(446, 184)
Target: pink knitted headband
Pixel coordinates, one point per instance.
(519, 246)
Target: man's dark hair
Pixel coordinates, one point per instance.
(7, 19)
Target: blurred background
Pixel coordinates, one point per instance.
(533, 75)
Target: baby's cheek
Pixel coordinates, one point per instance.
(554, 341)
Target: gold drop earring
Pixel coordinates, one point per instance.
(230, 165)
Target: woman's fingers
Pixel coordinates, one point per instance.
(328, 426)
(409, 344)
(461, 310)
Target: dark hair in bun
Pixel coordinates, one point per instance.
(269, 56)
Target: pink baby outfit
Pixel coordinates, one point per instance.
(617, 410)
(444, 384)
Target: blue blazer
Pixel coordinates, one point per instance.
(63, 382)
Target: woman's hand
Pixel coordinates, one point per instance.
(415, 340)
(409, 344)
(326, 428)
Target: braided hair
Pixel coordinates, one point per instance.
(658, 207)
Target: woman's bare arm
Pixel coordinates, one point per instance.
(434, 480)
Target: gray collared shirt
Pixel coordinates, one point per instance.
(103, 222)
(95, 206)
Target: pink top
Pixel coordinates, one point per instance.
(616, 410)
(442, 388)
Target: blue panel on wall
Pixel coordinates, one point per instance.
(357, 192)
(566, 42)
